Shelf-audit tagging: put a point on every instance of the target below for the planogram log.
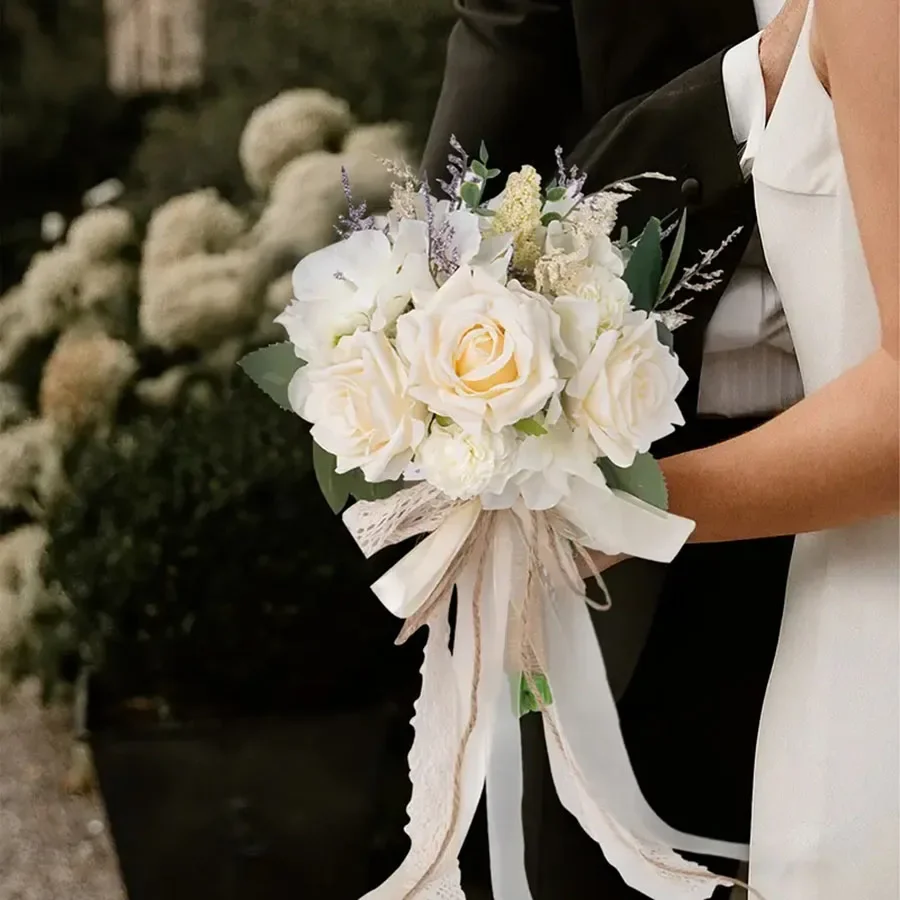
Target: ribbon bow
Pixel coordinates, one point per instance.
(521, 617)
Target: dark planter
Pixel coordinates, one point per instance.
(246, 809)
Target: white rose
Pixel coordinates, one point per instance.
(624, 393)
(463, 465)
(546, 470)
(480, 352)
(360, 408)
(364, 281)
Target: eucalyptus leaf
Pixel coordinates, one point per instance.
(674, 256)
(665, 336)
(493, 173)
(443, 421)
(644, 268)
(335, 488)
(271, 369)
(549, 217)
(527, 702)
(530, 427)
(480, 170)
(471, 194)
(555, 194)
(483, 153)
(360, 489)
(642, 479)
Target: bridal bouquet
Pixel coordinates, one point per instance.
(493, 375)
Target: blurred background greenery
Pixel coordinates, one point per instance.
(158, 518)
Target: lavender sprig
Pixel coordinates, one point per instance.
(457, 166)
(443, 253)
(357, 217)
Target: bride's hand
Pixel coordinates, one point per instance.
(599, 563)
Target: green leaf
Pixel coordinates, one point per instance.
(443, 421)
(479, 169)
(645, 267)
(493, 173)
(484, 211)
(471, 194)
(555, 194)
(483, 153)
(674, 255)
(335, 488)
(360, 489)
(549, 217)
(642, 479)
(665, 336)
(271, 369)
(527, 702)
(530, 427)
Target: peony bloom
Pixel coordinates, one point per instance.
(464, 465)
(625, 390)
(362, 282)
(290, 125)
(481, 352)
(547, 469)
(84, 379)
(360, 407)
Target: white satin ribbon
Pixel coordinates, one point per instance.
(466, 725)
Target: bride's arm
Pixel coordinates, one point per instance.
(833, 458)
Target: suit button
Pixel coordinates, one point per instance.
(691, 190)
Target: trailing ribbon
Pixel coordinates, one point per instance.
(521, 614)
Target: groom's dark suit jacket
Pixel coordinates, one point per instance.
(628, 86)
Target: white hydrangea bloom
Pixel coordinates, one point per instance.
(31, 471)
(385, 140)
(101, 233)
(292, 124)
(52, 287)
(106, 288)
(21, 584)
(198, 302)
(13, 409)
(200, 222)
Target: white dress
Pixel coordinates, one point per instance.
(826, 808)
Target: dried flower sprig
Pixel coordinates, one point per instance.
(357, 217)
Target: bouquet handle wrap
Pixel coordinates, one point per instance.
(466, 719)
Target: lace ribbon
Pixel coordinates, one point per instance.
(521, 612)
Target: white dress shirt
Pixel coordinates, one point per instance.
(749, 367)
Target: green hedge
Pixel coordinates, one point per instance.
(204, 567)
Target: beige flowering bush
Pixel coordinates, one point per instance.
(101, 233)
(84, 380)
(292, 124)
(31, 472)
(197, 223)
(21, 586)
(198, 302)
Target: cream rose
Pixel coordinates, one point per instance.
(624, 393)
(480, 352)
(464, 465)
(360, 408)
